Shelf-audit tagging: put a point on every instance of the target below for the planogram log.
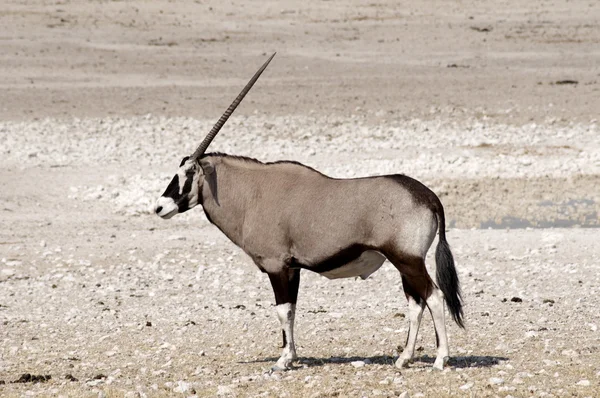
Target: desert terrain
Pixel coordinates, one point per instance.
(493, 105)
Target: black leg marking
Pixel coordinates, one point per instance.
(284, 339)
(285, 286)
(410, 291)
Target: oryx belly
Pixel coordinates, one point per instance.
(367, 263)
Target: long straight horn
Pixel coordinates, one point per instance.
(213, 132)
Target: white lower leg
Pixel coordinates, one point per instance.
(435, 302)
(286, 314)
(415, 313)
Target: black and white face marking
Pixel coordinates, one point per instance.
(183, 190)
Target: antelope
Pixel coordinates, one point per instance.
(289, 217)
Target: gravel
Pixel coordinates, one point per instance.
(108, 299)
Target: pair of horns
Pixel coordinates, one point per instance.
(213, 132)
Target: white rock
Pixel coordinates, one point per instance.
(584, 383)
(8, 272)
(570, 353)
(182, 387)
(224, 390)
(496, 380)
(502, 347)
(466, 386)
(531, 334)
(404, 395)
(593, 327)
(358, 364)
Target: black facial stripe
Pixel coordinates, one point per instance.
(187, 186)
(172, 190)
(183, 205)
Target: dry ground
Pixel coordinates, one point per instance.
(492, 104)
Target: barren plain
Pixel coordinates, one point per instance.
(493, 105)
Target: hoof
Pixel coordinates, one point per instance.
(282, 367)
(402, 362)
(440, 363)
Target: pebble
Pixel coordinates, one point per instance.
(8, 272)
(583, 383)
(531, 334)
(182, 387)
(570, 353)
(516, 300)
(224, 390)
(466, 386)
(496, 380)
(358, 364)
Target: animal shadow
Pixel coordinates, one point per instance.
(471, 361)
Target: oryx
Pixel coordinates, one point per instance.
(288, 217)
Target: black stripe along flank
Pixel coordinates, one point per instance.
(339, 259)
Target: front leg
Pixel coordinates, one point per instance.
(285, 286)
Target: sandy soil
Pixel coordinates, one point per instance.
(493, 105)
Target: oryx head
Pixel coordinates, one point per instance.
(184, 190)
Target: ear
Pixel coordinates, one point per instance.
(210, 177)
(207, 166)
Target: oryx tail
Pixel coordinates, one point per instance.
(447, 278)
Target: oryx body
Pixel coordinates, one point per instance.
(288, 217)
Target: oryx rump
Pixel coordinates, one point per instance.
(288, 217)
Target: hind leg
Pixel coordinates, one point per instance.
(435, 302)
(415, 314)
(420, 292)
